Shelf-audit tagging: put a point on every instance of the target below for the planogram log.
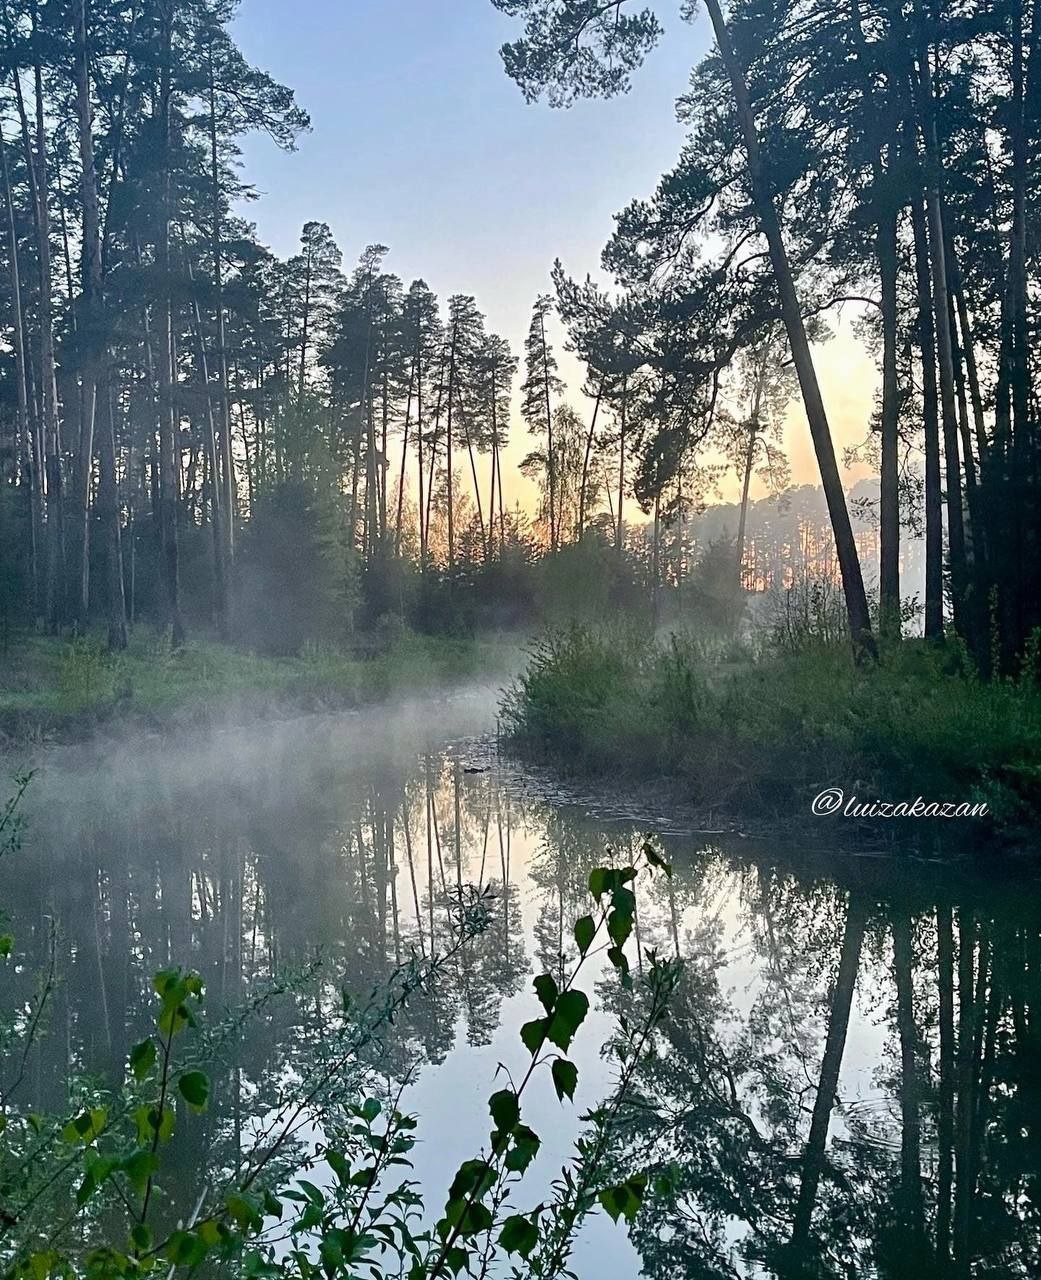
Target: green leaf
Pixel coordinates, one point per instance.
(339, 1166)
(524, 1149)
(141, 1237)
(194, 1087)
(505, 1109)
(568, 1015)
(149, 1120)
(473, 1177)
(456, 1259)
(585, 932)
(565, 1078)
(86, 1127)
(533, 1034)
(519, 1235)
(546, 990)
(370, 1109)
(600, 880)
(139, 1167)
(142, 1058)
(243, 1212)
(185, 1249)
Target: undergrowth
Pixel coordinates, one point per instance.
(777, 729)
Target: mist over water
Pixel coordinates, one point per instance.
(244, 852)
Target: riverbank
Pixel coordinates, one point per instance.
(768, 736)
(68, 690)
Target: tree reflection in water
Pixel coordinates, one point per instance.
(849, 1083)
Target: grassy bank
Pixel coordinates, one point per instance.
(767, 735)
(69, 688)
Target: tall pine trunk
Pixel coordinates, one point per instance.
(889, 504)
(931, 428)
(26, 426)
(168, 410)
(584, 485)
(845, 544)
(91, 328)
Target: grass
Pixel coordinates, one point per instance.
(67, 687)
(768, 734)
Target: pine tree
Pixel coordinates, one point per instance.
(540, 387)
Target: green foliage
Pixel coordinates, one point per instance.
(82, 1196)
(769, 734)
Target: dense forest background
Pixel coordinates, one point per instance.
(194, 432)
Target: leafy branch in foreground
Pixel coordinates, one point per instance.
(90, 1197)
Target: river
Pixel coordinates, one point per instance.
(850, 1072)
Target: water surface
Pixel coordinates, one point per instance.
(849, 1083)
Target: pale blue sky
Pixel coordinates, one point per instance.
(420, 141)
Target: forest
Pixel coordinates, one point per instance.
(390, 711)
(186, 416)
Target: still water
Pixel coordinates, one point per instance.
(849, 1081)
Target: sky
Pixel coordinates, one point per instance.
(419, 141)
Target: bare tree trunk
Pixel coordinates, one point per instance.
(948, 407)
(889, 505)
(419, 452)
(746, 484)
(220, 569)
(845, 545)
(477, 487)
(623, 423)
(448, 455)
(585, 463)
(551, 460)
(168, 413)
(495, 457)
(108, 502)
(228, 486)
(50, 426)
(931, 427)
(404, 462)
(92, 328)
(26, 428)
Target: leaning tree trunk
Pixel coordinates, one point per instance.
(845, 544)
